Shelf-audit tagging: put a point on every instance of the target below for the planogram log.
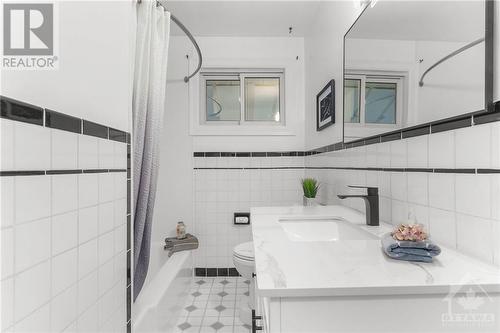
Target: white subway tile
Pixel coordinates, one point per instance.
(399, 188)
(87, 291)
(417, 188)
(472, 146)
(399, 212)
(474, 236)
(384, 155)
(120, 185)
(442, 150)
(496, 243)
(495, 145)
(89, 321)
(398, 154)
(64, 232)
(32, 198)
(31, 147)
(106, 277)
(120, 155)
(64, 150)
(442, 190)
(418, 152)
(87, 258)
(106, 247)
(495, 196)
(32, 243)
(7, 201)
(106, 307)
(120, 212)
(384, 184)
(88, 190)
(473, 195)
(106, 187)
(6, 145)
(88, 224)
(106, 220)
(64, 271)
(106, 154)
(120, 235)
(385, 209)
(6, 311)
(38, 321)
(31, 289)
(64, 193)
(63, 309)
(7, 252)
(442, 227)
(88, 152)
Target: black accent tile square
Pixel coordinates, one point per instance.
(358, 143)
(211, 271)
(63, 122)
(451, 124)
(63, 172)
(483, 171)
(233, 272)
(22, 173)
(371, 141)
(198, 154)
(413, 132)
(273, 154)
(212, 154)
(19, 111)
(198, 271)
(258, 154)
(242, 154)
(487, 118)
(222, 272)
(117, 135)
(301, 153)
(339, 146)
(390, 137)
(93, 129)
(227, 154)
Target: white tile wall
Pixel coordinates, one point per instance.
(63, 236)
(222, 192)
(461, 210)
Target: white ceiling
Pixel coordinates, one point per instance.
(243, 18)
(422, 20)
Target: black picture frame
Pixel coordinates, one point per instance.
(325, 106)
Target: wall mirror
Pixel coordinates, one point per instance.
(413, 62)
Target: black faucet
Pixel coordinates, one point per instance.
(371, 203)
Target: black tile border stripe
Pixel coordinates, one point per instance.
(94, 129)
(215, 271)
(20, 111)
(422, 170)
(57, 120)
(16, 110)
(10, 173)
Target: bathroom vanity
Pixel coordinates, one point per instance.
(322, 269)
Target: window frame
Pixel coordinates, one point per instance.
(229, 74)
(399, 80)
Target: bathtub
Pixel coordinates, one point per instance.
(159, 304)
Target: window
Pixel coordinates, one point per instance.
(373, 99)
(242, 98)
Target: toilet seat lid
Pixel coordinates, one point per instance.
(244, 251)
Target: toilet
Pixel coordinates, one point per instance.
(244, 261)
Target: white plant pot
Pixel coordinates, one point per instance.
(309, 201)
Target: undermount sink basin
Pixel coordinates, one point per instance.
(306, 229)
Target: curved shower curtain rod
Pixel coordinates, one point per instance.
(452, 54)
(189, 35)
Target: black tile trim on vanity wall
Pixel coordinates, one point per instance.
(12, 173)
(63, 122)
(452, 123)
(20, 111)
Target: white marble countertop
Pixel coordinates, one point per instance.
(287, 268)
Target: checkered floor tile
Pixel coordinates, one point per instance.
(212, 306)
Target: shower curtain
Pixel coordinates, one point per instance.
(150, 76)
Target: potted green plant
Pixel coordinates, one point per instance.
(310, 187)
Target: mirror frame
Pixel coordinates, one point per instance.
(489, 104)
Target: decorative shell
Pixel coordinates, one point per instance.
(409, 232)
